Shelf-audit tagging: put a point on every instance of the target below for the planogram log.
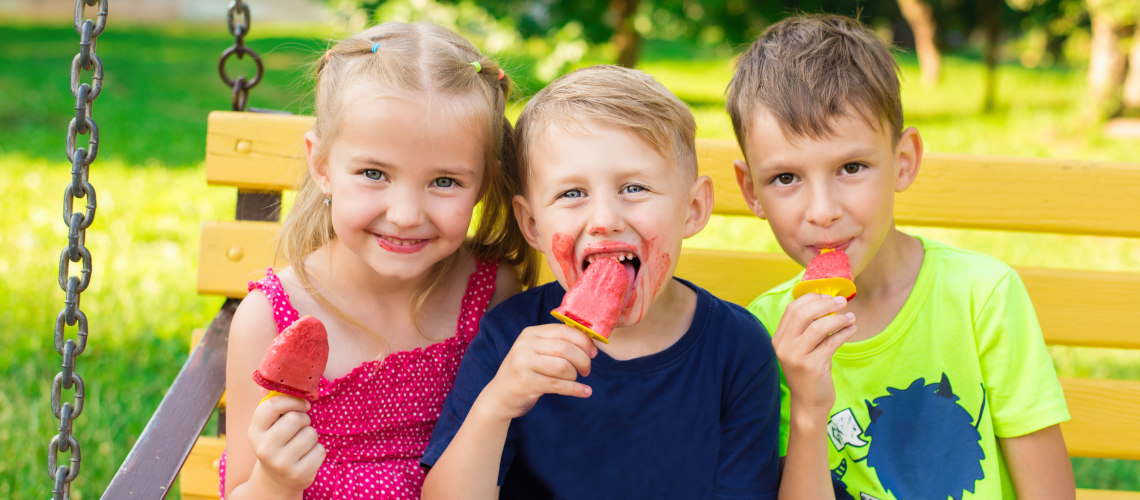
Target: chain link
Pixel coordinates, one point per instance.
(76, 251)
(240, 86)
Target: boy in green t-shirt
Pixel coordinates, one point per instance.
(933, 381)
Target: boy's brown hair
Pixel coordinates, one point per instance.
(612, 95)
(808, 70)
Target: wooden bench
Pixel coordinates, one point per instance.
(261, 155)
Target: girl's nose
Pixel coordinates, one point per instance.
(406, 207)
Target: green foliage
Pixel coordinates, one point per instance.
(157, 83)
(152, 198)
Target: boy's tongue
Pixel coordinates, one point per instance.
(595, 302)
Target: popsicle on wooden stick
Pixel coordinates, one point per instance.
(295, 361)
(595, 302)
(829, 273)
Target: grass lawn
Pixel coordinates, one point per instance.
(161, 83)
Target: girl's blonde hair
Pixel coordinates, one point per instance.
(427, 59)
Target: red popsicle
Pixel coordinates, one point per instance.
(829, 273)
(295, 361)
(594, 303)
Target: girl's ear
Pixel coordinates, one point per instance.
(700, 206)
(908, 159)
(527, 224)
(318, 166)
(748, 188)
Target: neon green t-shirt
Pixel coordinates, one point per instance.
(919, 407)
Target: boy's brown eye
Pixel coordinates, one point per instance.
(785, 178)
(852, 168)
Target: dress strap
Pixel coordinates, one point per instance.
(480, 289)
(284, 314)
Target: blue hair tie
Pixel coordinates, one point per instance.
(375, 46)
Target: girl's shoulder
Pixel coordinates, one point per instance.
(507, 283)
(252, 328)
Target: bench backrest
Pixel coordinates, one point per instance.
(1087, 307)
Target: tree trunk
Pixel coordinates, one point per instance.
(626, 38)
(1106, 64)
(920, 16)
(991, 22)
(1132, 81)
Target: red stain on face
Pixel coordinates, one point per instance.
(654, 271)
(656, 264)
(563, 249)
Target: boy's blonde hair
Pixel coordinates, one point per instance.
(611, 95)
(435, 62)
(808, 70)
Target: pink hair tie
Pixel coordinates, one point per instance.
(328, 54)
(501, 74)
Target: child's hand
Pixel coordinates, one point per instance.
(806, 339)
(545, 359)
(286, 446)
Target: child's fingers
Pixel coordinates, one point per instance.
(822, 330)
(832, 343)
(301, 442)
(571, 335)
(563, 356)
(313, 459)
(269, 411)
(800, 313)
(567, 388)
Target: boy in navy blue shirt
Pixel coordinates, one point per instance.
(683, 402)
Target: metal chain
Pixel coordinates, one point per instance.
(241, 84)
(77, 224)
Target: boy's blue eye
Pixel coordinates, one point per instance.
(373, 174)
(445, 182)
(633, 189)
(784, 179)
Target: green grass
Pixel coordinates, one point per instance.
(160, 83)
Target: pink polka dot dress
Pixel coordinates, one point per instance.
(375, 421)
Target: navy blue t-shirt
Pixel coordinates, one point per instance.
(697, 420)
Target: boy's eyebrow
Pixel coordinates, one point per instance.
(840, 157)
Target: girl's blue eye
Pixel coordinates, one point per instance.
(373, 174)
(445, 182)
(853, 168)
(784, 179)
(573, 193)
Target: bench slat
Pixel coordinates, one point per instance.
(231, 253)
(1104, 418)
(156, 457)
(200, 472)
(255, 151)
(1107, 495)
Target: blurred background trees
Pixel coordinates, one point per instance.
(1099, 33)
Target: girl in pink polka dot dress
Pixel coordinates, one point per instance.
(409, 136)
